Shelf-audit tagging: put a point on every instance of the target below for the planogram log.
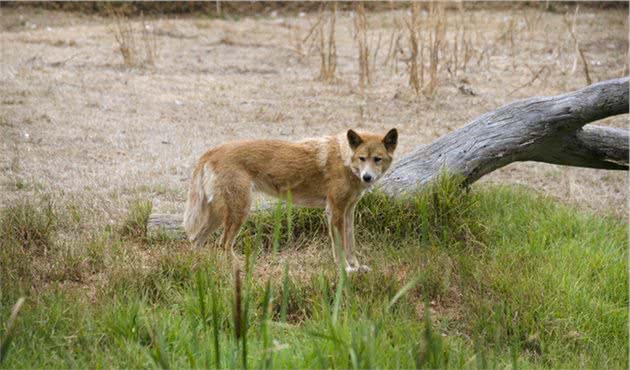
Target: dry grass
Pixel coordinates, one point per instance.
(29, 225)
(431, 32)
(462, 48)
(413, 27)
(394, 47)
(361, 29)
(437, 35)
(138, 48)
(571, 26)
(103, 135)
(327, 45)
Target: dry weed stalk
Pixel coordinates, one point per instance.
(413, 27)
(508, 36)
(217, 9)
(150, 42)
(126, 37)
(462, 50)
(531, 81)
(299, 42)
(394, 43)
(512, 44)
(327, 49)
(376, 50)
(361, 27)
(578, 50)
(532, 19)
(437, 34)
(295, 40)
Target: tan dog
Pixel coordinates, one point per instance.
(330, 172)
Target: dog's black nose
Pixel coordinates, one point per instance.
(367, 178)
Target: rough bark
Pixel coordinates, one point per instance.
(543, 129)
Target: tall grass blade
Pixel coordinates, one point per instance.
(245, 318)
(482, 359)
(277, 228)
(160, 353)
(289, 217)
(258, 239)
(342, 277)
(433, 355)
(354, 358)
(331, 338)
(407, 287)
(264, 327)
(5, 341)
(237, 314)
(201, 296)
(192, 349)
(248, 259)
(285, 294)
(215, 327)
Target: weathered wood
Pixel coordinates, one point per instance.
(543, 129)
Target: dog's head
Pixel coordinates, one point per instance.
(371, 154)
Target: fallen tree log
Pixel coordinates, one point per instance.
(542, 129)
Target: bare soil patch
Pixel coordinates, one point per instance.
(78, 124)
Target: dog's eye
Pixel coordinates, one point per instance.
(377, 159)
(362, 159)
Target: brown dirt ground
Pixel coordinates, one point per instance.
(77, 124)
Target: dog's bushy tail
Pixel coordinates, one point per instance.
(199, 196)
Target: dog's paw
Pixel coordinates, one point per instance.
(357, 268)
(364, 268)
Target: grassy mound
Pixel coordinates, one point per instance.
(491, 277)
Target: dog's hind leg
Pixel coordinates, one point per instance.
(211, 222)
(237, 199)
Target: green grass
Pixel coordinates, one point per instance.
(492, 277)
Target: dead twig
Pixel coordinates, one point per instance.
(437, 35)
(327, 50)
(529, 82)
(579, 52)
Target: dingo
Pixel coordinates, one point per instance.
(330, 172)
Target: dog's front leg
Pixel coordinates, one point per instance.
(338, 232)
(352, 263)
(341, 230)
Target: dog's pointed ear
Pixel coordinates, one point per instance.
(391, 140)
(354, 139)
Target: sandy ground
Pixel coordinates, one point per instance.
(77, 124)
